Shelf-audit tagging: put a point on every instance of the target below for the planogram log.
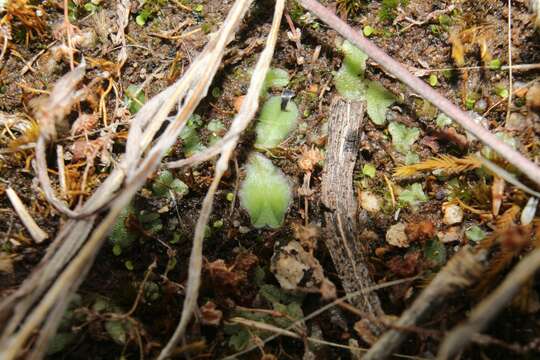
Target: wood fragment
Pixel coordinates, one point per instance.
(337, 195)
(35, 231)
(463, 269)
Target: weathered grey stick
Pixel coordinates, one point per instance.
(338, 197)
(461, 271)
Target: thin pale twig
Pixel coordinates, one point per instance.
(35, 231)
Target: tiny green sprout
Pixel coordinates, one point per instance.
(411, 158)
(117, 250)
(129, 265)
(199, 8)
(475, 233)
(433, 81)
(120, 236)
(165, 182)
(378, 101)
(275, 78)
(190, 137)
(501, 91)
(369, 170)
(435, 252)
(469, 102)
(143, 16)
(413, 195)
(135, 98)
(230, 197)
(368, 31)
(218, 224)
(274, 125)
(265, 193)
(403, 137)
(354, 58)
(91, 7)
(445, 20)
(443, 121)
(495, 64)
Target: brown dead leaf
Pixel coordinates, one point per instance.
(420, 231)
(405, 266)
(210, 315)
(84, 124)
(238, 102)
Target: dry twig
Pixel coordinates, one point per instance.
(35, 231)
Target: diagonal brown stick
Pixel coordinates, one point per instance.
(527, 167)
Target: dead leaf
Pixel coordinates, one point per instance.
(210, 315)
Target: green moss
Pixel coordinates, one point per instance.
(403, 137)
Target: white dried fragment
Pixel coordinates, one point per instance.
(396, 236)
(293, 267)
(35, 231)
(370, 202)
(450, 235)
(288, 267)
(453, 214)
(529, 211)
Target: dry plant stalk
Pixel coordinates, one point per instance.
(337, 195)
(65, 275)
(449, 164)
(35, 231)
(526, 166)
(240, 122)
(484, 312)
(463, 269)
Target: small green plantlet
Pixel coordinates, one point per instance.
(488, 152)
(190, 137)
(378, 101)
(475, 233)
(435, 253)
(501, 91)
(121, 237)
(369, 170)
(265, 193)
(495, 64)
(275, 125)
(134, 99)
(411, 158)
(129, 265)
(413, 195)
(143, 16)
(275, 78)
(403, 137)
(354, 58)
(351, 84)
(433, 81)
(165, 182)
(443, 121)
(91, 8)
(469, 102)
(368, 31)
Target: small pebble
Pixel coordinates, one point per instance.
(370, 202)
(453, 214)
(396, 236)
